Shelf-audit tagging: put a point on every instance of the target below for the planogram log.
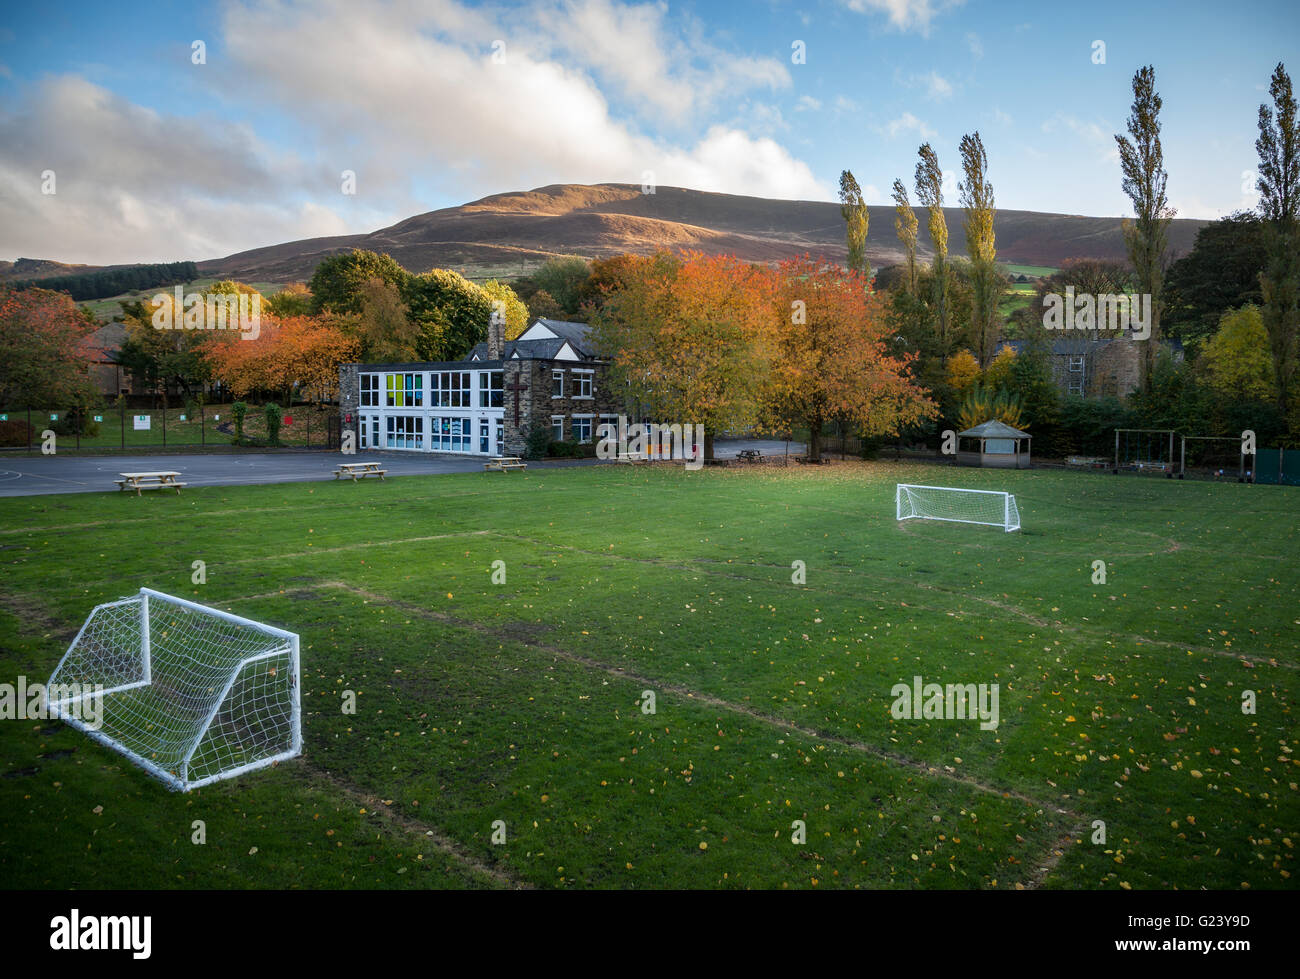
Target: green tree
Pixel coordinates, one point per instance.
(451, 313)
(929, 191)
(564, 278)
(1279, 190)
(856, 218)
(336, 283)
(1147, 235)
(976, 195)
(1221, 272)
(905, 224)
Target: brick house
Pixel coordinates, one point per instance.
(550, 377)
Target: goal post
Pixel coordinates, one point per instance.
(993, 508)
(189, 693)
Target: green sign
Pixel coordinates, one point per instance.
(54, 416)
(182, 417)
(99, 418)
(4, 418)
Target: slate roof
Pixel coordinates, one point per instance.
(577, 335)
(993, 429)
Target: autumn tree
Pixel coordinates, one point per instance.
(542, 306)
(905, 224)
(1236, 360)
(832, 358)
(976, 195)
(511, 307)
(293, 300)
(160, 360)
(385, 331)
(856, 218)
(42, 334)
(929, 191)
(1146, 236)
(1279, 191)
(689, 339)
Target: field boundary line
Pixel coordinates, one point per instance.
(410, 824)
(942, 772)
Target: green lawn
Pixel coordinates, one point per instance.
(520, 701)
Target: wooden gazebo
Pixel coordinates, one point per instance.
(993, 445)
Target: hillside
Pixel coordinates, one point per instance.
(508, 234)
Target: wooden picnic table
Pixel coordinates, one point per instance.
(359, 470)
(750, 455)
(162, 479)
(504, 464)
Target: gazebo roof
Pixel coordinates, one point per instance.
(994, 429)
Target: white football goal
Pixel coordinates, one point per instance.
(191, 694)
(992, 507)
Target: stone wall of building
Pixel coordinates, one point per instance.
(536, 406)
(349, 402)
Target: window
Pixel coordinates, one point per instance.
(608, 428)
(404, 432)
(450, 389)
(484, 439)
(489, 389)
(557, 384)
(501, 435)
(1076, 364)
(364, 426)
(370, 390)
(557, 428)
(583, 379)
(404, 390)
(582, 428)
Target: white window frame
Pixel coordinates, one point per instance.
(585, 381)
(583, 421)
(557, 428)
(557, 377)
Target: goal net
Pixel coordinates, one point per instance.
(191, 694)
(991, 507)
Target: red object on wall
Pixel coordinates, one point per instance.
(348, 418)
(288, 419)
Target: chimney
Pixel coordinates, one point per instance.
(496, 332)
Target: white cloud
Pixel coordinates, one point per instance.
(407, 95)
(905, 15)
(975, 44)
(909, 123)
(1099, 138)
(807, 103)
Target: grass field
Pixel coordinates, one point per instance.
(520, 702)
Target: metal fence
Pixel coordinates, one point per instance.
(122, 428)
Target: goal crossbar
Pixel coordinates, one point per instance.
(991, 508)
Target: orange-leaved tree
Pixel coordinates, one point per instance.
(689, 338)
(832, 356)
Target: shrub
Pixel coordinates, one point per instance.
(273, 419)
(239, 410)
(539, 443)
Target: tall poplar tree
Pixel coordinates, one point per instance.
(1146, 236)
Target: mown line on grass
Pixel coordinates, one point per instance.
(681, 690)
(427, 833)
(1002, 606)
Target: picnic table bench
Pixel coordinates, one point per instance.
(163, 479)
(504, 464)
(749, 455)
(359, 470)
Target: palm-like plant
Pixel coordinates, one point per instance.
(984, 403)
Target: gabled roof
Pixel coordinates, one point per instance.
(993, 429)
(545, 340)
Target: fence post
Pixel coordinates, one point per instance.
(29, 431)
(164, 410)
(121, 413)
(203, 425)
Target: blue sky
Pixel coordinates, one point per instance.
(436, 103)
